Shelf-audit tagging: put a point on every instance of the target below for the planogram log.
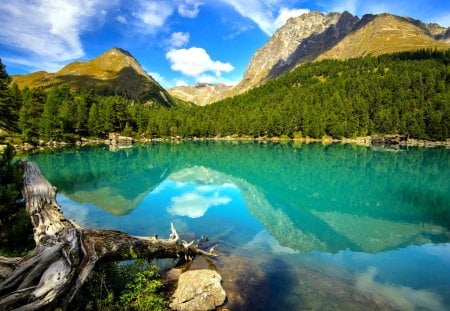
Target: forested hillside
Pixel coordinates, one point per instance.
(406, 93)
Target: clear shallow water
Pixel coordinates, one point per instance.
(301, 227)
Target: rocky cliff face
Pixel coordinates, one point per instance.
(114, 72)
(301, 39)
(316, 36)
(439, 33)
(201, 94)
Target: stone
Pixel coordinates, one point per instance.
(198, 290)
(173, 275)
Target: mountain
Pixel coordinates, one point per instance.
(200, 93)
(316, 36)
(301, 39)
(385, 33)
(114, 72)
(438, 32)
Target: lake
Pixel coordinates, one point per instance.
(298, 226)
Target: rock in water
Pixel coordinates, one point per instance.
(198, 290)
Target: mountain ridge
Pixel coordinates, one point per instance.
(317, 36)
(201, 93)
(309, 37)
(115, 71)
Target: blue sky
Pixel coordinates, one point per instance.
(178, 42)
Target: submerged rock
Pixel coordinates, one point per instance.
(198, 290)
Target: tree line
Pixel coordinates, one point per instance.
(405, 93)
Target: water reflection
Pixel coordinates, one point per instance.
(300, 226)
(309, 198)
(400, 297)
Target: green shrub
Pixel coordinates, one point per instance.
(130, 286)
(70, 138)
(143, 293)
(14, 220)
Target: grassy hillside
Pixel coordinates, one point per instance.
(383, 34)
(115, 72)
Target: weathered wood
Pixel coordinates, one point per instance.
(66, 253)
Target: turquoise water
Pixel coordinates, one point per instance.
(299, 227)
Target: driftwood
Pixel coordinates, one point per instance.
(65, 253)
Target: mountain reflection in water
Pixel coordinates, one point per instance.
(335, 206)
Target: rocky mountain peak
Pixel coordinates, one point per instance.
(301, 39)
(200, 93)
(315, 36)
(115, 71)
(118, 51)
(381, 34)
(116, 60)
(439, 32)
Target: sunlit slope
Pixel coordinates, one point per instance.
(114, 72)
(382, 34)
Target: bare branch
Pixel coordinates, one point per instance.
(66, 253)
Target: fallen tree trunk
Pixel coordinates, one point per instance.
(65, 253)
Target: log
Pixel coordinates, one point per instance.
(65, 253)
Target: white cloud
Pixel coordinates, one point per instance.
(195, 62)
(159, 78)
(179, 82)
(44, 29)
(47, 33)
(189, 8)
(153, 14)
(263, 12)
(178, 39)
(122, 19)
(36, 63)
(237, 28)
(256, 11)
(206, 79)
(195, 205)
(285, 14)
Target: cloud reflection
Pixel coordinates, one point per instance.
(195, 204)
(401, 297)
(198, 190)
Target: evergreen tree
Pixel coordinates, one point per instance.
(6, 102)
(51, 128)
(81, 115)
(94, 123)
(67, 116)
(30, 113)
(17, 102)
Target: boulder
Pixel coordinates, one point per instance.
(198, 290)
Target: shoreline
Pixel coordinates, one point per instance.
(391, 141)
